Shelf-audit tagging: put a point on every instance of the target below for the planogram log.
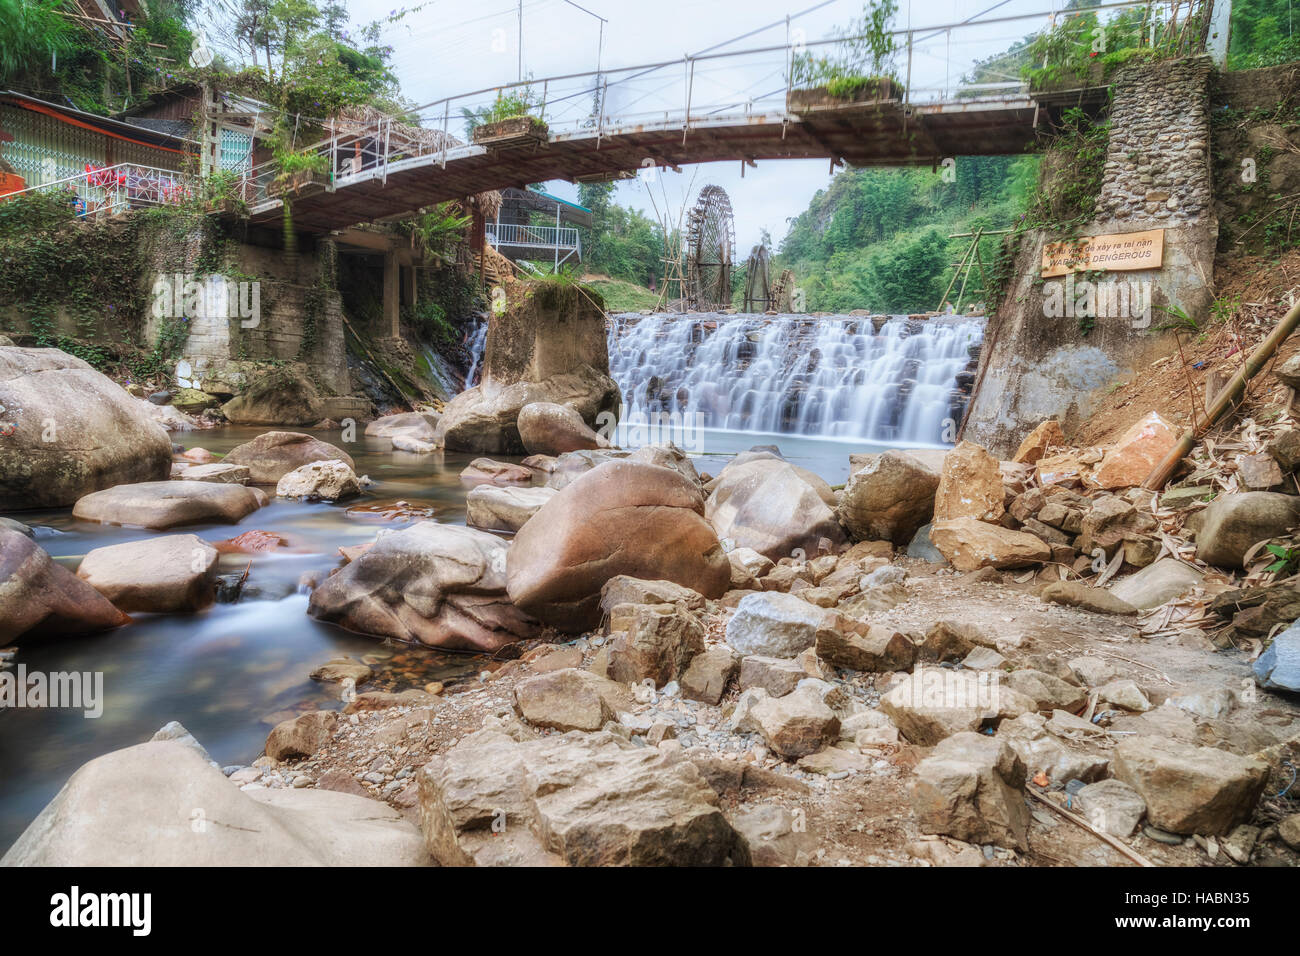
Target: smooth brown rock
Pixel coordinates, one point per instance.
(437, 584)
(1136, 453)
(619, 518)
(174, 573)
(271, 456)
(969, 544)
(493, 508)
(39, 598)
(488, 471)
(775, 508)
(546, 428)
(1046, 435)
(160, 505)
(970, 485)
(419, 425)
(76, 431)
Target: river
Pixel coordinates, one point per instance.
(230, 673)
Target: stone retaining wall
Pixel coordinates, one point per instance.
(1157, 176)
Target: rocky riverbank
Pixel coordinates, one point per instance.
(950, 660)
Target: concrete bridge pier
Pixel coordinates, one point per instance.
(392, 310)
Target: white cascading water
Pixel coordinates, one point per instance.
(476, 344)
(830, 376)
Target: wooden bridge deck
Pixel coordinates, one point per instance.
(874, 134)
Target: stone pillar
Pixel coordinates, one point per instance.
(392, 296)
(1038, 362)
(410, 285)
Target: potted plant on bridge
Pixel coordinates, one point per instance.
(297, 171)
(508, 123)
(859, 71)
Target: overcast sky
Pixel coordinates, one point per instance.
(449, 47)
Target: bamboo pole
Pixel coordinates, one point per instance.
(1226, 398)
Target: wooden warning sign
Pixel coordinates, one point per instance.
(1124, 252)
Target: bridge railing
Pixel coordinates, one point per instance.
(931, 66)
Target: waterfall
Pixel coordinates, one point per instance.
(834, 376)
(476, 343)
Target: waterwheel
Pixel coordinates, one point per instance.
(710, 249)
(757, 288)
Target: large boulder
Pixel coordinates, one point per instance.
(1278, 668)
(570, 467)
(773, 624)
(437, 584)
(320, 481)
(485, 419)
(890, 498)
(159, 505)
(794, 725)
(546, 428)
(76, 431)
(970, 544)
(570, 699)
(496, 508)
(1138, 451)
(659, 643)
(419, 425)
(1157, 583)
(575, 799)
(39, 598)
(162, 804)
(1233, 524)
(271, 456)
(285, 396)
(620, 518)
(1190, 789)
(970, 485)
(971, 787)
(775, 508)
(174, 573)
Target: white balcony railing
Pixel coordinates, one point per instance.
(109, 189)
(540, 237)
